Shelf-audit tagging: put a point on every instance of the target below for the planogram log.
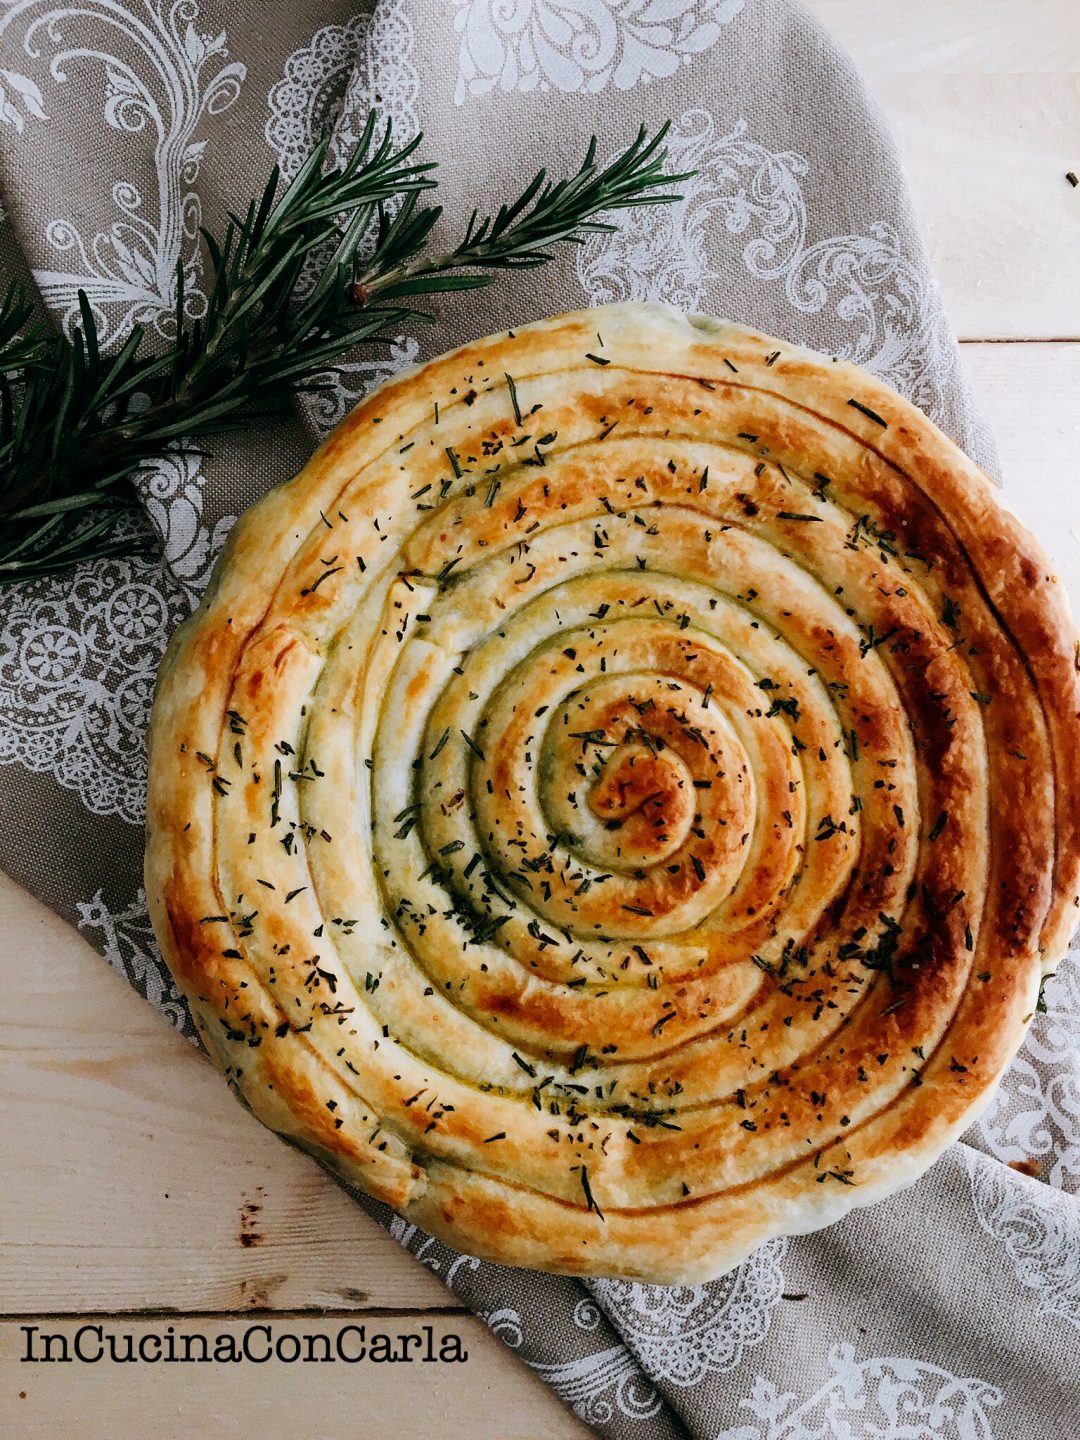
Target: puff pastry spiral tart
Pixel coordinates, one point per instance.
(617, 803)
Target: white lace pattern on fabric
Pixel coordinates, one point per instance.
(886, 1398)
(429, 1251)
(78, 654)
(601, 1384)
(581, 45)
(330, 85)
(177, 76)
(1035, 1112)
(1038, 1228)
(683, 1333)
(595, 1386)
(79, 651)
(171, 489)
(126, 939)
(887, 312)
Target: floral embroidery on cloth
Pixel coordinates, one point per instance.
(78, 657)
(170, 77)
(127, 940)
(328, 87)
(581, 45)
(887, 1398)
(682, 1333)
(886, 311)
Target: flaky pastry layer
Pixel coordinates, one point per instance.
(616, 804)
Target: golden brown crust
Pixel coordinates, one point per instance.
(615, 803)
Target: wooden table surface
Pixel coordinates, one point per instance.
(134, 1188)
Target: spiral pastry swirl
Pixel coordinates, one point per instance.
(617, 803)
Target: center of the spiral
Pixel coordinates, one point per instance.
(647, 795)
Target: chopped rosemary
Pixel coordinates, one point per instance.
(870, 414)
(473, 746)
(514, 399)
(1040, 1004)
(589, 1199)
(455, 462)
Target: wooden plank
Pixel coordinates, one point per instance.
(132, 1179)
(984, 37)
(1030, 395)
(986, 105)
(488, 1395)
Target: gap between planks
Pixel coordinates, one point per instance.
(1023, 340)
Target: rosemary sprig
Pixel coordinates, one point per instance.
(521, 234)
(77, 426)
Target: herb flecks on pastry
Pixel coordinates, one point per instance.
(617, 803)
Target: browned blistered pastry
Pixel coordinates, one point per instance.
(618, 802)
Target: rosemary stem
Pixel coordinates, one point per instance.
(78, 426)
